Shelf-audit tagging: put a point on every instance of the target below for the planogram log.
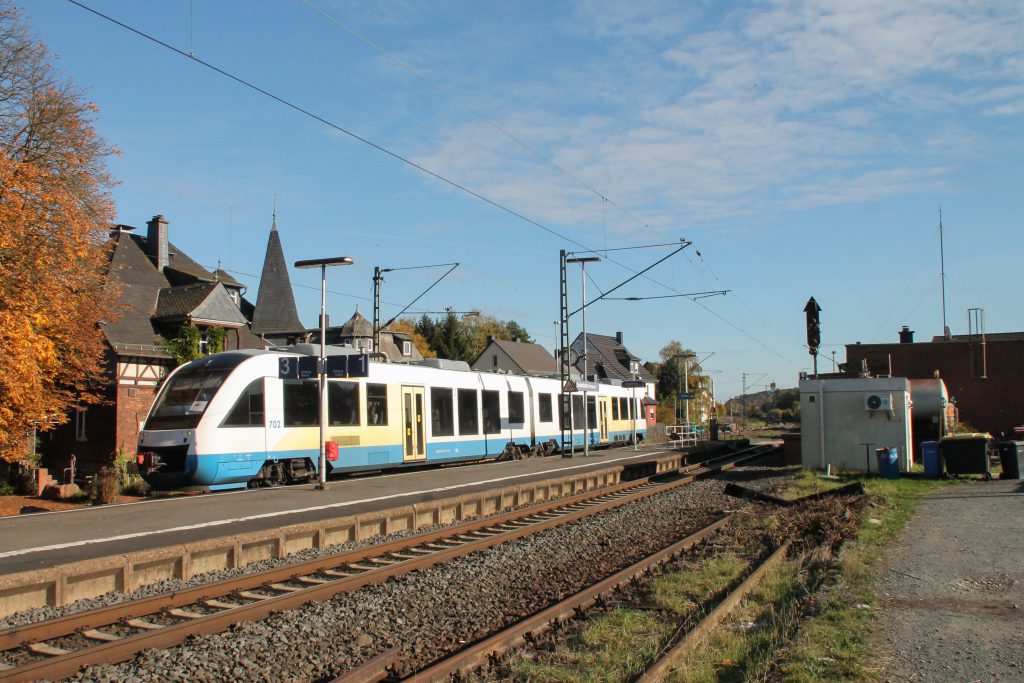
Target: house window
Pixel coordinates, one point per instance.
(544, 405)
(80, 423)
(469, 421)
(406, 348)
(634, 367)
(442, 412)
(204, 343)
(494, 360)
(234, 295)
(492, 412)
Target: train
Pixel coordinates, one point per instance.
(238, 419)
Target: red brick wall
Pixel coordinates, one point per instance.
(992, 405)
(131, 410)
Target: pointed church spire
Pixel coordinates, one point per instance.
(275, 316)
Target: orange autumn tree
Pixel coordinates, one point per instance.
(55, 212)
(408, 325)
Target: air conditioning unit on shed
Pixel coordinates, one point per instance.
(878, 402)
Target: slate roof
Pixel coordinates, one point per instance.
(357, 326)
(204, 301)
(532, 359)
(275, 304)
(139, 284)
(226, 278)
(142, 290)
(608, 359)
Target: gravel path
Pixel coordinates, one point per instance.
(952, 595)
(425, 611)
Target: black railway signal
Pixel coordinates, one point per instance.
(813, 326)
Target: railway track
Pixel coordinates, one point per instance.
(486, 651)
(57, 648)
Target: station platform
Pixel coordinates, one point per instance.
(39, 541)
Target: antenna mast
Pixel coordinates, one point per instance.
(942, 277)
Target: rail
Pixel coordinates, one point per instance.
(30, 652)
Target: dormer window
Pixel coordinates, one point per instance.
(406, 348)
(234, 296)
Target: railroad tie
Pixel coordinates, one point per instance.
(284, 588)
(93, 634)
(311, 580)
(220, 604)
(143, 624)
(48, 650)
(184, 613)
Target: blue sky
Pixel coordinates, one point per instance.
(805, 148)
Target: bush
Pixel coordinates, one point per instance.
(106, 486)
(135, 486)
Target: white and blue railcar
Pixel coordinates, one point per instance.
(229, 421)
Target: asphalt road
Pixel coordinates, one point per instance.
(952, 595)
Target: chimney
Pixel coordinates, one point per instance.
(156, 242)
(490, 339)
(906, 335)
(618, 338)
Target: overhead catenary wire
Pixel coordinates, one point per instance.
(452, 183)
(529, 148)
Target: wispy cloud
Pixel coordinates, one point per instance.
(791, 104)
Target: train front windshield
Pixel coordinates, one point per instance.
(184, 400)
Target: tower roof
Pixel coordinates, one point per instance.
(357, 326)
(275, 304)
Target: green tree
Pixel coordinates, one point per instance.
(451, 339)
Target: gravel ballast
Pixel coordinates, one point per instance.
(425, 613)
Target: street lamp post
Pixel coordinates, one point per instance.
(583, 261)
(322, 264)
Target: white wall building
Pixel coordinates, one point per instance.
(843, 421)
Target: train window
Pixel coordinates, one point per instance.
(577, 411)
(469, 422)
(301, 403)
(442, 415)
(516, 411)
(544, 403)
(342, 404)
(248, 410)
(376, 404)
(183, 400)
(492, 412)
(623, 408)
(592, 410)
(615, 409)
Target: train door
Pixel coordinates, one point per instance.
(414, 445)
(603, 401)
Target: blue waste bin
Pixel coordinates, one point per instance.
(932, 460)
(888, 463)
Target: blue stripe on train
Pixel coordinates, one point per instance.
(234, 470)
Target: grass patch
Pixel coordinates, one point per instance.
(613, 647)
(837, 643)
(619, 645)
(681, 592)
(744, 646)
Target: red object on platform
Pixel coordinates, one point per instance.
(332, 450)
